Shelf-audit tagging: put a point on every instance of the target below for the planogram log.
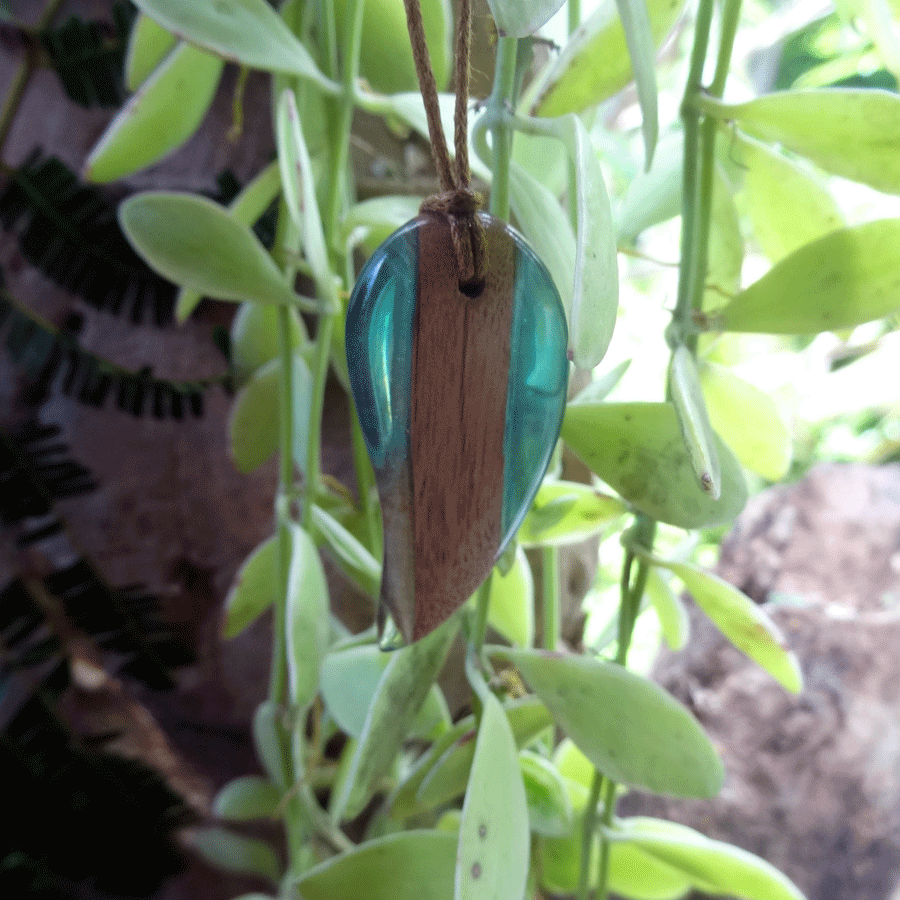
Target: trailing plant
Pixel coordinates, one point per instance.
(493, 804)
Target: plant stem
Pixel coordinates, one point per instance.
(690, 115)
(550, 560)
(642, 534)
(573, 8)
(502, 99)
(23, 72)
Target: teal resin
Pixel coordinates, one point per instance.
(538, 380)
(380, 339)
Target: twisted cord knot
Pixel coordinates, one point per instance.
(460, 207)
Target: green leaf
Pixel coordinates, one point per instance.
(349, 681)
(546, 226)
(519, 18)
(266, 741)
(255, 338)
(248, 32)
(549, 807)
(299, 189)
(355, 560)
(673, 617)
(629, 727)
(637, 449)
(653, 196)
(711, 866)
(196, 243)
(442, 774)
(148, 45)
(511, 602)
(845, 278)
(787, 203)
(166, 110)
(635, 18)
(375, 219)
(236, 853)
(638, 875)
(246, 798)
(385, 58)
(742, 621)
(749, 421)
(600, 388)
(690, 408)
(410, 865)
(401, 692)
(308, 624)
(725, 257)
(567, 512)
(851, 132)
(595, 63)
(595, 294)
(253, 425)
(254, 589)
(494, 842)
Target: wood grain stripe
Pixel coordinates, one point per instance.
(460, 369)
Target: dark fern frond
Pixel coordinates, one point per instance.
(70, 232)
(34, 473)
(46, 352)
(89, 57)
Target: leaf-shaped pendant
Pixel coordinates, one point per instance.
(460, 399)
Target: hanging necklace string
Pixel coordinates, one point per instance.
(457, 201)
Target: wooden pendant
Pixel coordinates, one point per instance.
(461, 400)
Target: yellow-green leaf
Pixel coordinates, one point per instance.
(148, 45)
(845, 278)
(638, 450)
(254, 589)
(164, 112)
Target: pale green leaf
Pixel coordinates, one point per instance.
(711, 866)
(595, 292)
(851, 132)
(253, 424)
(595, 63)
(600, 388)
(690, 408)
(511, 602)
(148, 45)
(354, 559)
(266, 741)
(196, 243)
(255, 338)
(299, 189)
(519, 18)
(567, 512)
(254, 589)
(246, 798)
(401, 692)
(375, 219)
(546, 226)
(630, 728)
(654, 196)
(635, 18)
(164, 112)
(673, 617)
(308, 625)
(742, 621)
(725, 256)
(549, 807)
(845, 278)
(788, 205)
(385, 58)
(493, 853)
(410, 865)
(442, 774)
(248, 32)
(235, 853)
(749, 421)
(637, 449)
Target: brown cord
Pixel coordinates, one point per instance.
(457, 201)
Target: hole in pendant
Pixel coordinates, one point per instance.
(472, 289)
